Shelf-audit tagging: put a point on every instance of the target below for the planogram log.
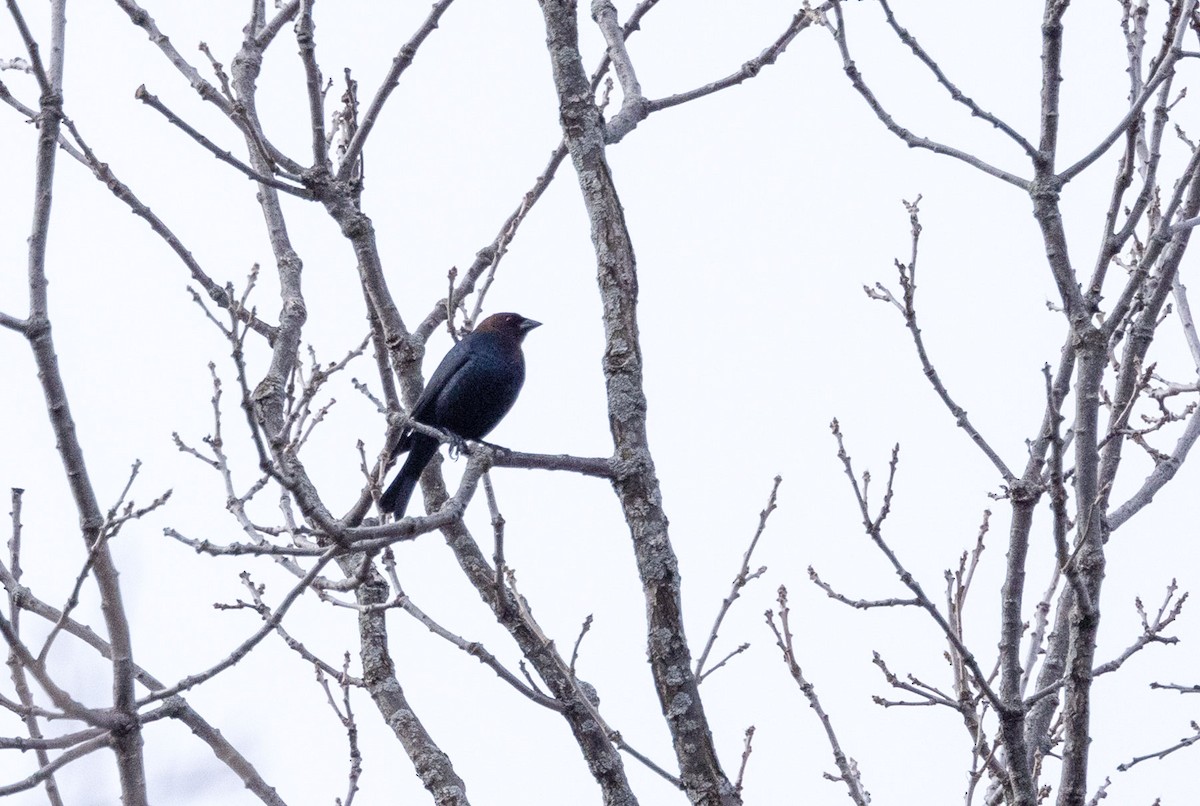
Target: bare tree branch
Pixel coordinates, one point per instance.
(910, 139)
(400, 63)
(744, 576)
(846, 765)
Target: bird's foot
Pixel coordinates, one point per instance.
(458, 445)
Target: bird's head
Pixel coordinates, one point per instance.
(510, 324)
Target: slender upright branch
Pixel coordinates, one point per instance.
(127, 744)
(636, 484)
(316, 94)
(744, 576)
(400, 63)
(847, 767)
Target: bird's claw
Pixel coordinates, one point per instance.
(458, 445)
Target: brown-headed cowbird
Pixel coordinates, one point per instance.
(470, 392)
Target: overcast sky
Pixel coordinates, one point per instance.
(757, 215)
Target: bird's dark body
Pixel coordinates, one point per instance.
(469, 393)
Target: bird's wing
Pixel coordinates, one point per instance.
(423, 411)
(454, 361)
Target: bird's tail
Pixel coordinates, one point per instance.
(395, 498)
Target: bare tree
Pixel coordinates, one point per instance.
(1103, 368)
(1027, 707)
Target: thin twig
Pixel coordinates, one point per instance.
(400, 63)
(744, 577)
(1187, 742)
(784, 640)
(874, 527)
(910, 139)
(908, 284)
(153, 101)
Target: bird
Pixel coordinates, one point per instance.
(469, 393)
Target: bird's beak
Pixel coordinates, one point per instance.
(528, 325)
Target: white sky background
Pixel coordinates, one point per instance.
(757, 216)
